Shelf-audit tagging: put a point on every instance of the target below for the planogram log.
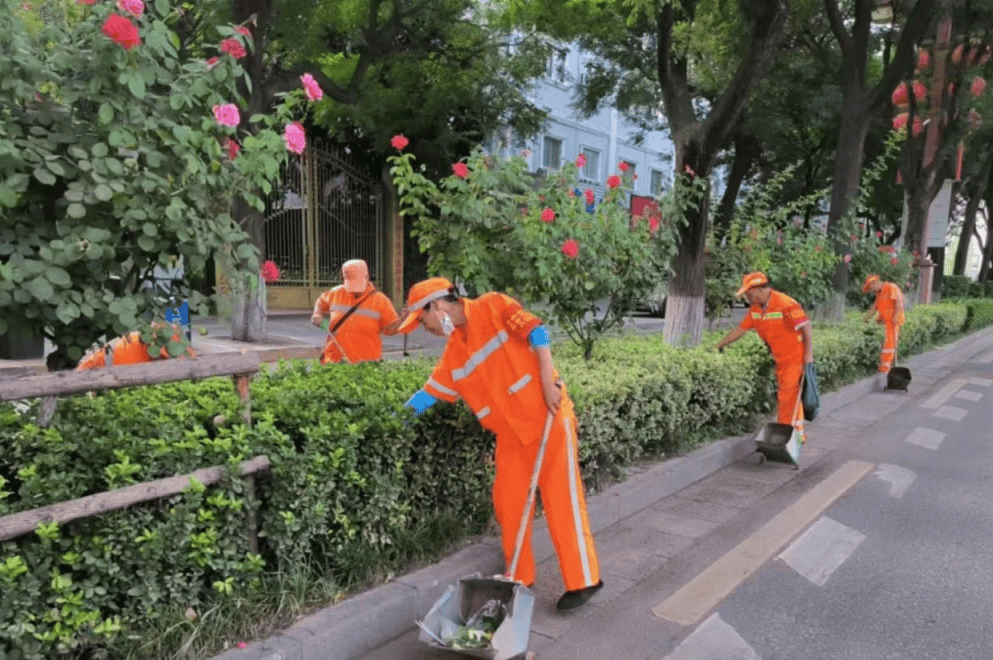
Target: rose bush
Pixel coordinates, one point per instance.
(492, 225)
(119, 154)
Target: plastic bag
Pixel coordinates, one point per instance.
(811, 394)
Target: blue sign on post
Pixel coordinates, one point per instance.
(181, 316)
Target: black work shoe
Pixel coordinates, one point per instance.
(576, 597)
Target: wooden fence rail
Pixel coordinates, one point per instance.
(50, 386)
(25, 522)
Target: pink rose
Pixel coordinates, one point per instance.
(232, 147)
(212, 62)
(570, 248)
(270, 272)
(847, 258)
(241, 29)
(581, 160)
(133, 7)
(548, 215)
(227, 114)
(399, 142)
(653, 224)
(461, 170)
(295, 137)
(233, 48)
(589, 196)
(314, 91)
(622, 166)
(122, 31)
(613, 181)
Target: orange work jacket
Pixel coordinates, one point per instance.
(886, 304)
(359, 335)
(779, 326)
(128, 349)
(492, 367)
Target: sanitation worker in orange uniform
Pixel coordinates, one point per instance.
(129, 349)
(783, 325)
(358, 338)
(889, 307)
(498, 360)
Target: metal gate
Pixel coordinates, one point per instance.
(324, 211)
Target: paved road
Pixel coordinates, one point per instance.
(878, 548)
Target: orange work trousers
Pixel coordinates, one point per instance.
(562, 498)
(888, 352)
(789, 376)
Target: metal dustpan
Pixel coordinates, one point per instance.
(898, 378)
(464, 601)
(779, 442)
(447, 618)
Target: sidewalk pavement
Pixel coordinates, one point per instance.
(639, 525)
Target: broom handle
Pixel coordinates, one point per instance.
(526, 518)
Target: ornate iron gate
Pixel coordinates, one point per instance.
(325, 211)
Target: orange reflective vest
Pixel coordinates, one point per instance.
(886, 304)
(359, 335)
(491, 366)
(128, 349)
(779, 326)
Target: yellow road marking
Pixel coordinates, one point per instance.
(704, 592)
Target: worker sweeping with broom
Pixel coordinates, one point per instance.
(889, 307)
(498, 360)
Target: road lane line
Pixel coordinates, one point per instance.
(950, 412)
(927, 438)
(704, 592)
(938, 400)
(982, 382)
(713, 640)
(900, 478)
(969, 395)
(822, 549)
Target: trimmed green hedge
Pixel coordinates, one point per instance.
(349, 480)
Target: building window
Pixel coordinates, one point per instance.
(656, 182)
(551, 153)
(591, 170)
(631, 171)
(557, 67)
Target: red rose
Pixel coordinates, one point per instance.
(580, 160)
(548, 215)
(270, 273)
(233, 48)
(590, 198)
(461, 170)
(399, 142)
(894, 261)
(570, 248)
(122, 31)
(233, 148)
(622, 166)
(613, 181)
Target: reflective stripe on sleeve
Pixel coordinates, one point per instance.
(521, 382)
(483, 413)
(441, 388)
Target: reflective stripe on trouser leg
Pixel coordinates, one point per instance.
(788, 377)
(891, 333)
(564, 502)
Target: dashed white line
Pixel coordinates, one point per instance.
(982, 382)
(822, 549)
(927, 438)
(713, 640)
(943, 394)
(950, 412)
(899, 478)
(968, 395)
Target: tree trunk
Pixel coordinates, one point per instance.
(685, 304)
(844, 193)
(985, 265)
(746, 152)
(969, 224)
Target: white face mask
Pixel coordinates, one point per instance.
(446, 325)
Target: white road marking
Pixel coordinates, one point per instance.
(968, 395)
(704, 593)
(927, 438)
(822, 549)
(982, 382)
(714, 640)
(950, 412)
(938, 400)
(900, 478)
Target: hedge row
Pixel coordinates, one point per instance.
(960, 286)
(349, 479)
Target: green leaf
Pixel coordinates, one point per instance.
(67, 312)
(162, 7)
(137, 85)
(103, 192)
(7, 196)
(41, 289)
(99, 150)
(74, 195)
(106, 116)
(150, 229)
(146, 243)
(76, 211)
(58, 276)
(56, 168)
(44, 176)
